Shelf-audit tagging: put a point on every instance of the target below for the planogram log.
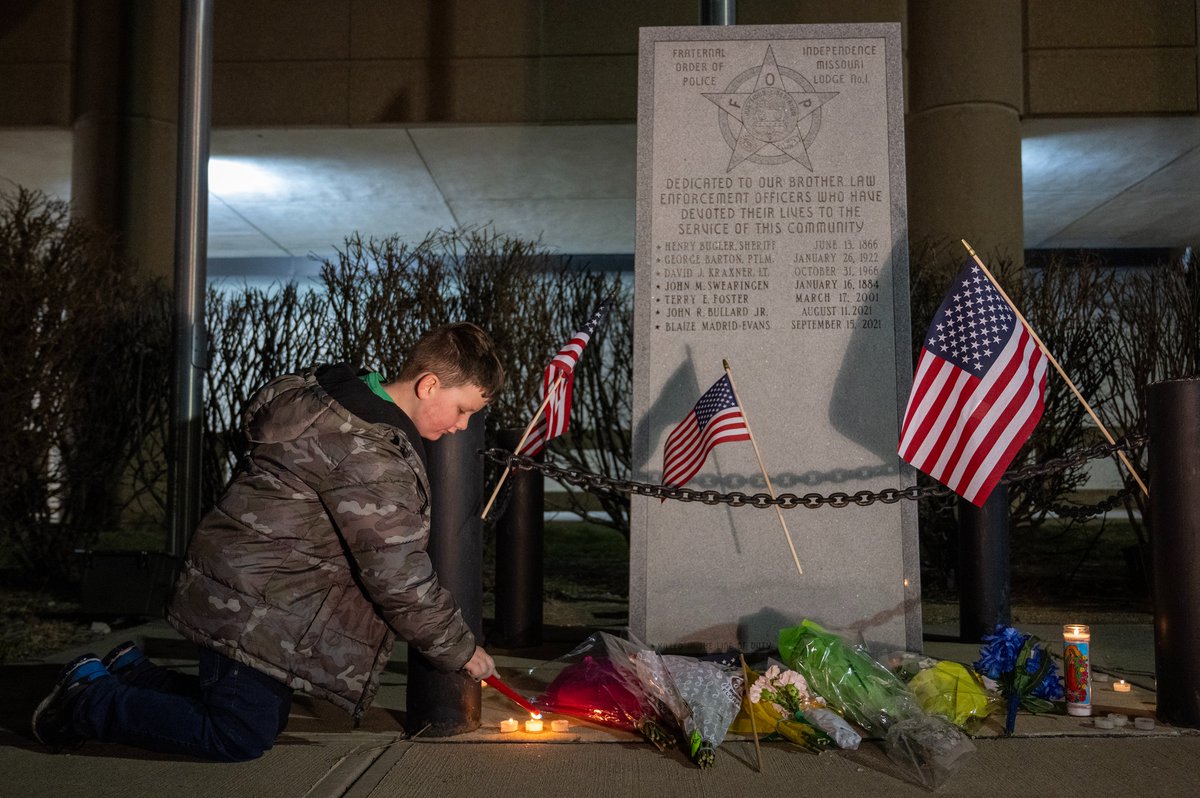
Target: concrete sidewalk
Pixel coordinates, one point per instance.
(320, 755)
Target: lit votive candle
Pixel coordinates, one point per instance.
(559, 725)
(533, 725)
(1122, 686)
(1077, 672)
(509, 725)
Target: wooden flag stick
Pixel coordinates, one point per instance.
(770, 487)
(750, 709)
(554, 387)
(1107, 435)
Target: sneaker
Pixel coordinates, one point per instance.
(125, 660)
(52, 719)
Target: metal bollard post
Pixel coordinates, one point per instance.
(520, 534)
(984, 597)
(449, 703)
(1173, 412)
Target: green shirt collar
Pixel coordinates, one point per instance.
(374, 381)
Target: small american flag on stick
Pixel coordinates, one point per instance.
(553, 415)
(716, 418)
(978, 391)
(557, 382)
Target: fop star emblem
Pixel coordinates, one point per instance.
(775, 112)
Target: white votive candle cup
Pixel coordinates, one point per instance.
(1118, 720)
(533, 725)
(509, 725)
(1102, 723)
(1145, 724)
(559, 725)
(1122, 686)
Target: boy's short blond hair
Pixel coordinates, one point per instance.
(459, 354)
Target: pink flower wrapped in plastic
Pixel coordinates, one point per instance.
(600, 683)
(785, 689)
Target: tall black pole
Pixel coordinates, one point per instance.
(718, 12)
(441, 704)
(520, 536)
(1173, 413)
(191, 253)
(983, 566)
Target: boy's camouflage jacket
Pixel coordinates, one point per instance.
(314, 559)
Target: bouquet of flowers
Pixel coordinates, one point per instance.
(847, 677)
(786, 690)
(1024, 674)
(712, 694)
(953, 691)
(854, 684)
(600, 683)
(783, 704)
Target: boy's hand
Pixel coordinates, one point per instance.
(480, 665)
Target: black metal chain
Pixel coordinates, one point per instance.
(1082, 512)
(598, 483)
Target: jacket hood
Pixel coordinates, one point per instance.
(291, 407)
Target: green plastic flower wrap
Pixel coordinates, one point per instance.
(862, 690)
(953, 691)
(847, 677)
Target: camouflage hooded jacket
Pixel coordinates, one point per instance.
(314, 559)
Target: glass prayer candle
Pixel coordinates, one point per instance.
(1077, 672)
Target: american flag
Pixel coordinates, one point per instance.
(554, 421)
(716, 418)
(978, 391)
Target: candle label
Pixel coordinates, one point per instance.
(1076, 673)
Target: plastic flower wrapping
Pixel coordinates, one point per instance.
(600, 683)
(847, 677)
(1025, 675)
(825, 694)
(701, 696)
(781, 703)
(862, 690)
(953, 691)
(626, 685)
(713, 695)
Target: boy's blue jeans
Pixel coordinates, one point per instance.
(231, 713)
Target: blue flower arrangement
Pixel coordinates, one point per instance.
(1025, 675)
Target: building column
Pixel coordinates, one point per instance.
(124, 125)
(965, 97)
